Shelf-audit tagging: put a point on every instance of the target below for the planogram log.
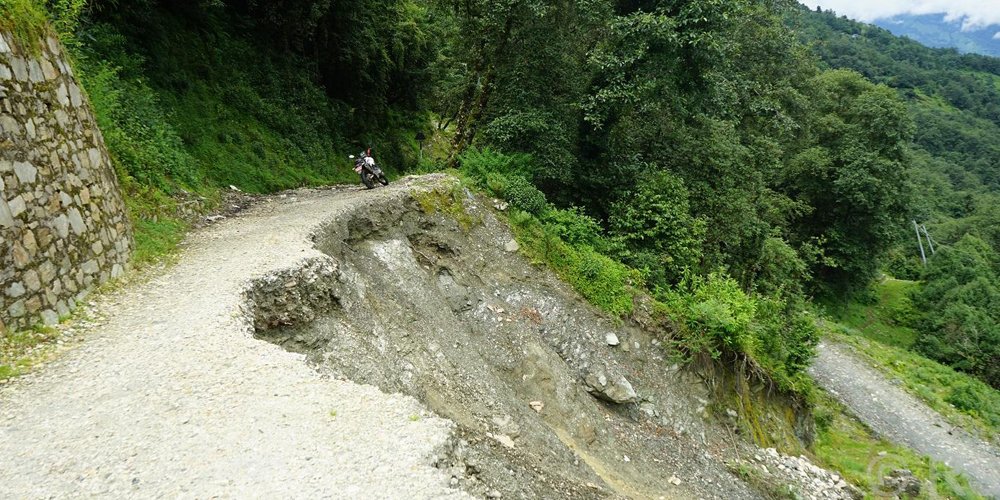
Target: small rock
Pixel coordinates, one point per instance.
(537, 406)
(902, 482)
(626, 459)
(214, 218)
(502, 439)
(612, 388)
(674, 480)
(494, 494)
(50, 318)
(611, 339)
(512, 246)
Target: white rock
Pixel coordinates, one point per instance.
(20, 68)
(17, 206)
(35, 71)
(9, 124)
(61, 225)
(512, 246)
(3, 45)
(26, 173)
(611, 338)
(50, 318)
(76, 221)
(502, 439)
(6, 217)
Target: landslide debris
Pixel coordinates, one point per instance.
(429, 298)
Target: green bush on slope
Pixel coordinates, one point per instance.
(714, 314)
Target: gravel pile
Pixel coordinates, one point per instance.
(809, 481)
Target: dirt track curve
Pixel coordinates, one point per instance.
(901, 418)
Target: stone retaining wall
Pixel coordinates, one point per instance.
(62, 218)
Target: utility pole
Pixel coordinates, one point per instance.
(420, 147)
(923, 256)
(927, 235)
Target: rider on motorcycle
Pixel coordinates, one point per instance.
(370, 173)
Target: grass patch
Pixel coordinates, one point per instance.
(448, 202)
(19, 351)
(845, 445)
(25, 20)
(604, 282)
(156, 239)
(962, 399)
(885, 320)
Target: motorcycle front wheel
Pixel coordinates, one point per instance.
(383, 180)
(367, 180)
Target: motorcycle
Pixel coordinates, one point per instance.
(370, 173)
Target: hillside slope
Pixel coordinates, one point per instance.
(177, 397)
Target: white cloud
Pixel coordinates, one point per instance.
(973, 14)
(997, 36)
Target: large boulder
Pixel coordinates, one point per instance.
(610, 387)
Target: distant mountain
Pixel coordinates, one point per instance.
(932, 30)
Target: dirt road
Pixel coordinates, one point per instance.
(900, 417)
(172, 397)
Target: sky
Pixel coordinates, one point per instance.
(974, 14)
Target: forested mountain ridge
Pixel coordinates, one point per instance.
(933, 30)
(954, 100)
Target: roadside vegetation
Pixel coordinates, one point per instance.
(21, 350)
(845, 445)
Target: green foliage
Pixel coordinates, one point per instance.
(604, 282)
(777, 336)
(478, 164)
(503, 175)
(780, 270)
(890, 318)
(145, 146)
(25, 19)
(961, 287)
(155, 238)
(522, 195)
(655, 230)
(575, 227)
(853, 177)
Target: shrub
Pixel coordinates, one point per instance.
(524, 195)
(719, 318)
(575, 227)
(604, 282)
(655, 231)
(479, 163)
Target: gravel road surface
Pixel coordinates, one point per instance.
(172, 397)
(901, 418)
